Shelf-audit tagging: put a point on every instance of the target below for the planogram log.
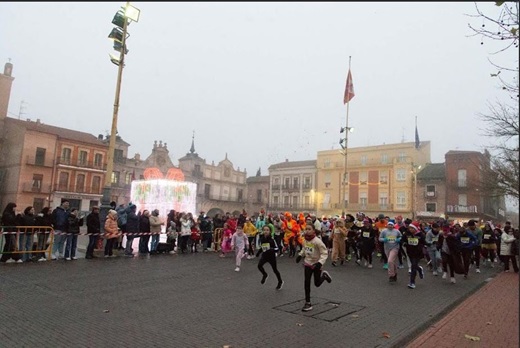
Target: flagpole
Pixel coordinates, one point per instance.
(347, 130)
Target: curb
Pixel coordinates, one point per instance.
(404, 341)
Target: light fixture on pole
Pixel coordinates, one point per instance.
(119, 34)
(415, 170)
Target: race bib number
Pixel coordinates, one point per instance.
(435, 239)
(265, 246)
(309, 248)
(336, 231)
(366, 234)
(487, 236)
(464, 240)
(391, 239)
(413, 241)
(289, 225)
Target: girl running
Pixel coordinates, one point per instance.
(268, 249)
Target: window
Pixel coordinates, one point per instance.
(461, 176)
(307, 201)
(363, 177)
(80, 183)
(295, 183)
(259, 196)
(128, 178)
(118, 156)
(307, 182)
(115, 177)
(63, 182)
(287, 183)
(37, 182)
(83, 158)
(286, 200)
(402, 157)
(96, 184)
(383, 200)
(38, 204)
(276, 200)
(364, 160)
(39, 159)
(295, 201)
(383, 177)
(463, 199)
(65, 155)
(327, 179)
(326, 201)
(240, 194)
(400, 174)
(227, 172)
(430, 190)
(384, 158)
(207, 190)
(431, 207)
(363, 200)
(326, 163)
(401, 199)
(98, 160)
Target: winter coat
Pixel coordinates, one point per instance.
(505, 246)
(111, 230)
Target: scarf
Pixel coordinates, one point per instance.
(309, 237)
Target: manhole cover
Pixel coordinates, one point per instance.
(323, 309)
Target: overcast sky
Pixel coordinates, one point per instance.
(262, 82)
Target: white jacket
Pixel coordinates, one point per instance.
(505, 245)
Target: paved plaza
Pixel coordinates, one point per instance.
(198, 300)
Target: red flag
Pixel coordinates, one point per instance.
(349, 89)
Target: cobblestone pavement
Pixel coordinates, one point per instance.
(198, 300)
(489, 318)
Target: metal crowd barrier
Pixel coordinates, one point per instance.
(21, 241)
(217, 238)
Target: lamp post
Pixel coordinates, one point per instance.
(119, 34)
(415, 169)
(342, 141)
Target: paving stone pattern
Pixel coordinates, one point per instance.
(198, 300)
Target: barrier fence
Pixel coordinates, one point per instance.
(19, 240)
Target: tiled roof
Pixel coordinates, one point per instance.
(432, 171)
(63, 133)
(293, 164)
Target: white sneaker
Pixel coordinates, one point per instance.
(439, 269)
(74, 258)
(477, 270)
(19, 261)
(444, 275)
(42, 259)
(68, 259)
(435, 273)
(370, 265)
(452, 280)
(172, 252)
(237, 269)
(11, 260)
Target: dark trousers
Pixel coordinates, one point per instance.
(350, 243)
(466, 259)
(271, 259)
(506, 259)
(207, 238)
(184, 243)
(251, 241)
(415, 268)
(109, 246)
(447, 260)
(318, 280)
(366, 253)
(10, 243)
(71, 245)
(384, 258)
(476, 255)
(92, 242)
(143, 244)
(326, 240)
(400, 254)
(279, 241)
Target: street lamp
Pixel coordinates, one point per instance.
(415, 169)
(119, 34)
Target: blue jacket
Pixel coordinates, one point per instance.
(60, 219)
(466, 241)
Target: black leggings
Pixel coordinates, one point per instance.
(366, 253)
(271, 259)
(447, 260)
(318, 280)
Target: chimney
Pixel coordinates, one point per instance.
(38, 121)
(286, 160)
(137, 157)
(100, 136)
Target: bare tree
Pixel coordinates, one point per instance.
(502, 119)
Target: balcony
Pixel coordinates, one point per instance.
(291, 207)
(276, 186)
(73, 189)
(461, 208)
(38, 188)
(222, 198)
(39, 162)
(65, 161)
(355, 207)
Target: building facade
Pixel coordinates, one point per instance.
(380, 179)
(292, 187)
(257, 193)
(431, 192)
(220, 188)
(465, 198)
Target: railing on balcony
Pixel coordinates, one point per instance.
(291, 207)
(307, 186)
(461, 208)
(276, 186)
(36, 188)
(38, 161)
(355, 207)
(223, 198)
(74, 189)
(83, 164)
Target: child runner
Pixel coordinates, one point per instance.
(391, 238)
(413, 241)
(268, 249)
(225, 247)
(338, 242)
(315, 254)
(239, 244)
